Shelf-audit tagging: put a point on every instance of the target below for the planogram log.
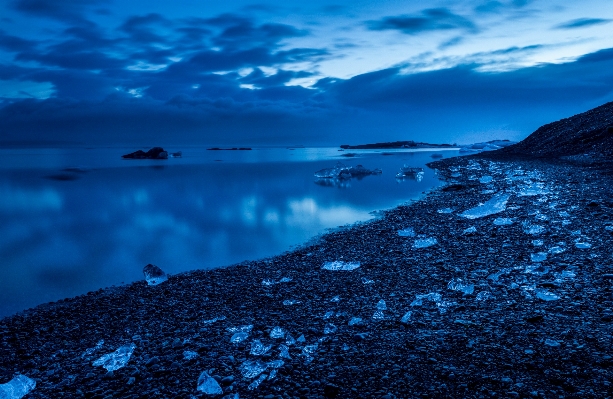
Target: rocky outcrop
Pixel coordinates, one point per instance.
(154, 153)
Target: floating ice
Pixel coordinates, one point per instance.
(17, 388)
(289, 302)
(503, 221)
(339, 171)
(456, 284)
(496, 204)
(545, 295)
(355, 320)
(277, 332)
(538, 257)
(407, 316)
(258, 348)
(425, 242)
(339, 265)
(470, 230)
(330, 328)
(551, 342)
(485, 296)
(537, 243)
(556, 250)
(154, 275)
(257, 382)
(445, 210)
(381, 305)
(252, 368)
(89, 351)
(534, 229)
(408, 232)
(239, 337)
(189, 355)
(583, 245)
(208, 384)
(533, 189)
(117, 359)
(486, 179)
(415, 173)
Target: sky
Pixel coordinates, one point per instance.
(195, 72)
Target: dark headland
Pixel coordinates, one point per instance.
(394, 145)
(537, 322)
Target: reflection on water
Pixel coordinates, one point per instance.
(61, 237)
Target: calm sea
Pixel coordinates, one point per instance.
(75, 220)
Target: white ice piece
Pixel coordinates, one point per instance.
(534, 229)
(208, 384)
(583, 245)
(496, 204)
(425, 242)
(257, 382)
(408, 232)
(17, 388)
(289, 302)
(253, 368)
(367, 281)
(503, 221)
(355, 320)
(538, 257)
(330, 328)
(486, 179)
(277, 332)
(407, 316)
(189, 355)
(284, 352)
(533, 189)
(545, 295)
(470, 230)
(258, 348)
(339, 265)
(154, 275)
(445, 210)
(117, 359)
(456, 284)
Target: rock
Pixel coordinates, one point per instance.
(331, 390)
(154, 153)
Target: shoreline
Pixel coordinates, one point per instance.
(502, 345)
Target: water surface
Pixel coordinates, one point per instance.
(75, 220)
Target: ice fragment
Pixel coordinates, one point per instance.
(208, 384)
(534, 229)
(486, 179)
(189, 355)
(456, 284)
(258, 348)
(537, 243)
(117, 359)
(252, 368)
(289, 302)
(355, 320)
(407, 316)
(239, 337)
(257, 382)
(335, 299)
(339, 265)
(533, 189)
(503, 221)
(470, 230)
(433, 296)
(425, 242)
(17, 388)
(211, 321)
(301, 339)
(485, 296)
(445, 210)
(328, 314)
(556, 250)
(583, 245)
(408, 232)
(545, 295)
(154, 275)
(246, 328)
(367, 281)
(538, 257)
(496, 204)
(381, 305)
(284, 352)
(277, 332)
(551, 342)
(378, 315)
(285, 280)
(330, 328)
(289, 340)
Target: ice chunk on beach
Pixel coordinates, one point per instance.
(367, 281)
(378, 315)
(333, 173)
(117, 359)
(330, 328)
(239, 337)
(339, 265)
(556, 250)
(496, 204)
(284, 352)
(538, 257)
(546, 295)
(247, 328)
(381, 305)
(485, 296)
(503, 221)
(470, 230)
(189, 355)
(154, 275)
(289, 302)
(355, 320)
(253, 368)
(433, 296)
(537, 243)
(425, 242)
(456, 284)
(551, 342)
(285, 280)
(211, 321)
(410, 172)
(289, 340)
(533, 229)
(208, 384)
(533, 189)
(408, 232)
(445, 210)
(406, 318)
(582, 245)
(257, 382)
(258, 348)
(486, 179)
(277, 332)
(17, 388)
(268, 282)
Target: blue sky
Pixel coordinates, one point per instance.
(278, 73)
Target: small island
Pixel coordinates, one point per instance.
(393, 145)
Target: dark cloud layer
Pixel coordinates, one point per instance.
(224, 80)
(582, 23)
(433, 19)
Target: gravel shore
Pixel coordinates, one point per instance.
(519, 305)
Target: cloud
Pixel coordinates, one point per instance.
(63, 10)
(432, 19)
(582, 23)
(15, 44)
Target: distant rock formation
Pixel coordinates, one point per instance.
(154, 153)
(229, 149)
(394, 144)
(487, 146)
(588, 133)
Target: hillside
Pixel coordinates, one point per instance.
(589, 133)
